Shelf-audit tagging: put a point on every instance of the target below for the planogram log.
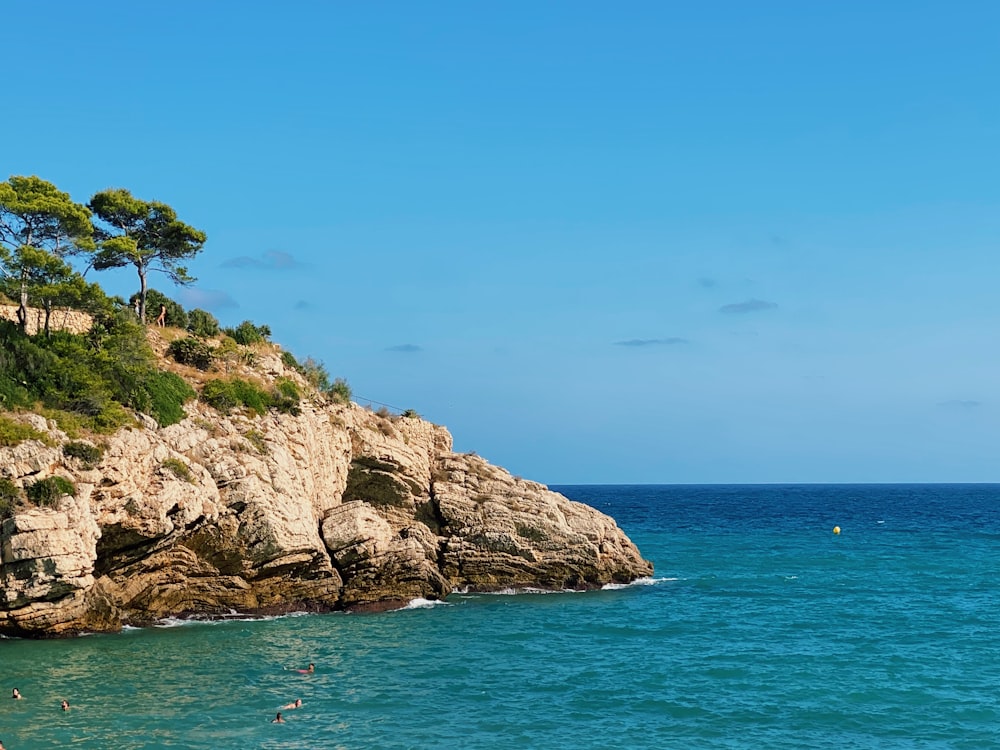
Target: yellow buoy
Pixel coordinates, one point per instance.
(836, 529)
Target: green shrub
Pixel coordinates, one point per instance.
(340, 391)
(10, 495)
(247, 334)
(256, 439)
(226, 395)
(12, 433)
(286, 396)
(47, 491)
(193, 352)
(178, 468)
(410, 414)
(168, 393)
(88, 453)
(315, 373)
(289, 361)
(202, 324)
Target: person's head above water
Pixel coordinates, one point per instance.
(16, 694)
(65, 705)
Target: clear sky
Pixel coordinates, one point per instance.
(600, 241)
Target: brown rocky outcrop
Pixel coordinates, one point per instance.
(336, 507)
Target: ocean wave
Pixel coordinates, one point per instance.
(420, 603)
(518, 591)
(644, 581)
(178, 622)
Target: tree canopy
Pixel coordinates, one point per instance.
(144, 234)
(39, 226)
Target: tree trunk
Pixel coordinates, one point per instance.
(47, 304)
(142, 295)
(22, 309)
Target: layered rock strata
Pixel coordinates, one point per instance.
(334, 508)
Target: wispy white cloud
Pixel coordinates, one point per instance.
(670, 341)
(270, 260)
(749, 306)
(960, 404)
(208, 299)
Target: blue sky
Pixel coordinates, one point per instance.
(601, 242)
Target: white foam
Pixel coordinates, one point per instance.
(234, 616)
(644, 581)
(420, 603)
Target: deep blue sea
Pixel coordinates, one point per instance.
(760, 628)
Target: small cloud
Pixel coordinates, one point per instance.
(271, 260)
(208, 299)
(961, 405)
(750, 306)
(405, 348)
(672, 340)
(706, 282)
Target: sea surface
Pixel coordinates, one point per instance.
(760, 628)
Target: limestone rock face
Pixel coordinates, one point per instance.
(335, 507)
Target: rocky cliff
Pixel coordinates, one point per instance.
(333, 508)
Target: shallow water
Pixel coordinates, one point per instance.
(760, 628)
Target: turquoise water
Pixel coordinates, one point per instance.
(759, 629)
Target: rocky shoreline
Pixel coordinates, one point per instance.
(335, 508)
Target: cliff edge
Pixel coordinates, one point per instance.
(335, 507)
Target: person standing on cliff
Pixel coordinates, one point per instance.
(162, 319)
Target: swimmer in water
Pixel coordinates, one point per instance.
(310, 670)
(276, 720)
(16, 694)
(294, 704)
(65, 705)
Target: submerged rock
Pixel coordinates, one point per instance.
(333, 508)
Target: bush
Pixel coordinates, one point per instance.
(10, 495)
(12, 433)
(226, 395)
(193, 352)
(314, 372)
(247, 334)
(289, 361)
(47, 491)
(168, 393)
(286, 396)
(88, 453)
(340, 391)
(202, 324)
(179, 469)
(410, 414)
